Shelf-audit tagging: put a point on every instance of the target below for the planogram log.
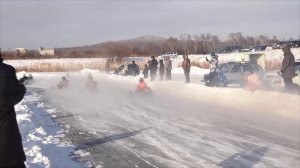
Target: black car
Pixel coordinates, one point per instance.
(279, 45)
(294, 44)
(259, 48)
(230, 49)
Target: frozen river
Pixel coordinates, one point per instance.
(179, 125)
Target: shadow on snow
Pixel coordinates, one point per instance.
(244, 159)
(110, 138)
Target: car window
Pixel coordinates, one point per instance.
(256, 67)
(225, 67)
(235, 69)
(247, 68)
(297, 70)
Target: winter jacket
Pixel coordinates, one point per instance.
(153, 64)
(186, 64)
(142, 86)
(288, 67)
(161, 67)
(168, 64)
(133, 69)
(11, 92)
(213, 64)
(146, 71)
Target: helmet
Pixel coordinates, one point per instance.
(213, 54)
(141, 79)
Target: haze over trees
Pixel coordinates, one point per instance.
(153, 45)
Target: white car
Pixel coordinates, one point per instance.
(296, 79)
(170, 54)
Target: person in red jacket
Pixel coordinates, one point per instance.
(142, 86)
(186, 65)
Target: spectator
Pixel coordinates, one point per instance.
(161, 69)
(186, 65)
(146, 71)
(213, 65)
(153, 68)
(107, 65)
(288, 69)
(168, 68)
(133, 69)
(11, 92)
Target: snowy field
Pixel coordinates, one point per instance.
(74, 64)
(178, 126)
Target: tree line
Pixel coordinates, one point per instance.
(184, 44)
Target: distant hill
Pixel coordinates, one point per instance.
(136, 41)
(140, 46)
(154, 45)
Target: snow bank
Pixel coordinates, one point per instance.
(189, 124)
(259, 102)
(42, 138)
(235, 98)
(273, 59)
(194, 71)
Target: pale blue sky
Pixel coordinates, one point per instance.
(65, 23)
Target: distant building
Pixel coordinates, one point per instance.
(46, 51)
(20, 51)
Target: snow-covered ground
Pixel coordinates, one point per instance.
(71, 64)
(179, 125)
(44, 140)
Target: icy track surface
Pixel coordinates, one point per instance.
(178, 126)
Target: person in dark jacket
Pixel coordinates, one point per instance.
(133, 69)
(146, 71)
(288, 68)
(153, 68)
(11, 92)
(186, 65)
(136, 68)
(161, 69)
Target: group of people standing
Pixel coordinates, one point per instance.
(165, 68)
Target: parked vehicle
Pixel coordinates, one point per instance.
(219, 80)
(259, 48)
(170, 54)
(230, 49)
(294, 43)
(279, 45)
(235, 71)
(296, 79)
